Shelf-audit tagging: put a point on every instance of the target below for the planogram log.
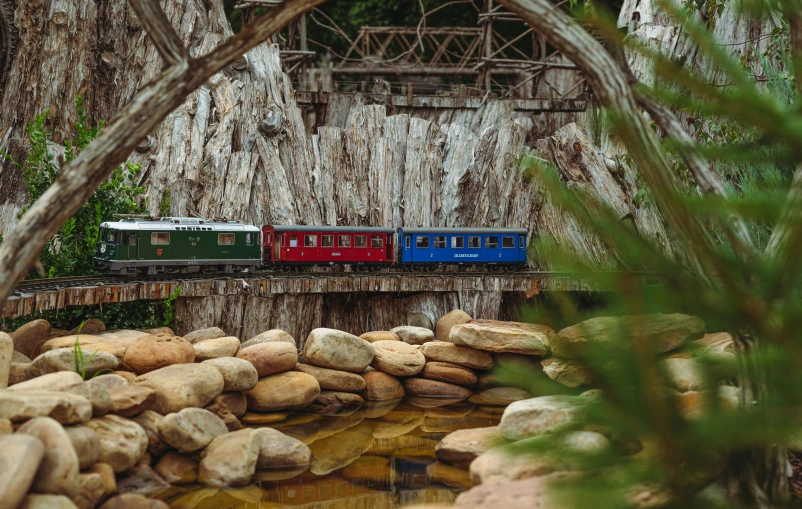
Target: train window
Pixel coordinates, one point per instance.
(110, 237)
(225, 239)
(249, 239)
(268, 238)
(120, 238)
(159, 239)
(327, 240)
(360, 241)
(132, 239)
(474, 242)
(283, 238)
(422, 242)
(508, 242)
(521, 242)
(310, 240)
(376, 241)
(408, 241)
(439, 242)
(293, 241)
(344, 241)
(457, 242)
(491, 242)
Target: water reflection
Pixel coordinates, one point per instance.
(377, 456)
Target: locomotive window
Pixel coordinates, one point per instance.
(457, 242)
(422, 242)
(521, 242)
(474, 242)
(293, 241)
(376, 241)
(225, 239)
(268, 238)
(360, 241)
(408, 241)
(159, 239)
(249, 238)
(283, 238)
(310, 240)
(508, 242)
(110, 237)
(327, 240)
(491, 242)
(344, 241)
(132, 239)
(120, 238)
(439, 242)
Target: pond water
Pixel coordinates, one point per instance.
(380, 456)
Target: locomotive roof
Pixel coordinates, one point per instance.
(483, 231)
(307, 228)
(173, 223)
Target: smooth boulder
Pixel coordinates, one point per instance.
(131, 400)
(447, 321)
(381, 386)
(238, 374)
(537, 416)
(66, 408)
(203, 334)
(59, 469)
(397, 358)
(230, 459)
(182, 385)
(270, 357)
(19, 462)
(413, 335)
(85, 444)
(567, 372)
(6, 357)
(191, 429)
(449, 373)
(63, 359)
(269, 337)
(434, 389)
(122, 441)
(334, 349)
(279, 452)
(156, 351)
(338, 399)
(461, 447)
(206, 349)
(49, 382)
(177, 468)
(460, 355)
(290, 390)
(29, 338)
(499, 336)
(499, 396)
(379, 335)
(332, 379)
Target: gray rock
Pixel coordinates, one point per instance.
(413, 335)
(238, 374)
(277, 451)
(110, 380)
(537, 416)
(86, 445)
(97, 394)
(149, 421)
(122, 441)
(201, 334)
(334, 349)
(131, 400)
(499, 336)
(461, 447)
(230, 459)
(63, 359)
(191, 429)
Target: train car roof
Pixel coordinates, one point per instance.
(176, 223)
(308, 228)
(483, 231)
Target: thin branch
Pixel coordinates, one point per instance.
(160, 31)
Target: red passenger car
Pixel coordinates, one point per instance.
(327, 245)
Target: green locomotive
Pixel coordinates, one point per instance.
(177, 244)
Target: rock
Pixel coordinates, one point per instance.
(111, 380)
(449, 352)
(461, 447)
(6, 358)
(131, 400)
(92, 326)
(85, 444)
(270, 357)
(107, 476)
(270, 336)
(283, 391)
(500, 396)
(19, 357)
(339, 450)
(381, 386)
(236, 402)
(683, 374)
(450, 476)
(191, 429)
(124, 335)
(505, 464)
(122, 441)
(694, 405)
(143, 480)
(203, 334)
(238, 374)
(19, 463)
(449, 373)
(230, 460)
(97, 394)
(567, 372)
(338, 399)
(66, 408)
(177, 469)
(206, 349)
(49, 382)
(149, 421)
(447, 321)
(380, 335)
(90, 490)
(63, 359)
(716, 342)
(545, 414)
(332, 379)
(19, 372)
(59, 469)
(433, 389)
(126, 375)
(334, 349)
(29, 338)
(6, 428)
(664, 332)
(182, 385)
(498, 336)
(397, 358)
(413, 335)
(397, 423)
(111, 345)
(156, 351)
(36, 501)
(134, 501)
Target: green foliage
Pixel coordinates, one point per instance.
(80, 361)
(164, 205)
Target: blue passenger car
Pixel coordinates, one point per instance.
(463, 246)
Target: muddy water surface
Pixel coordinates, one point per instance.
(380, 456)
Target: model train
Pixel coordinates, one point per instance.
(179, 244)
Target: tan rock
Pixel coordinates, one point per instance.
(501, 464)
(90, 490)
(122, 441)
(450, 476)
(177, 469)
(461, 447)
(230, 460)
(124, 335)
(270, 336)
(6, 358)
(191, 429)
(462, 356)
(19, 357)
(37, 501)
(379, 335)
(206, 349)
(499, 336)
(63, 359)
(111, 380)
(283, 391)
(449, 373)
(66, 408)
(664, 332)
(684, 374)
(29, 338)
(85, 444)
(127, 375)
(567, 372)
(334, 349)
(157, 351)
(6, 428)
(131, 400)
(19, 462)
(433, 389)
(338, 399)
(537, 416)
(143, 480)
(270, 357)
(381, 386)
(134, 501)
(59, 469)
(500, 396)
(92, 326)
(332, 379)
(202, 334)
(111, 345)
(49, 382)
(236, 402)
(413, 335)
(97, 394)
(397, 358)
(238, 374)
(19, 372)
(107, 476)
(182, 385)
(149, 421)
(447, 321)
(716, 342)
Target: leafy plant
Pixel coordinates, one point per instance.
(81, 363)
